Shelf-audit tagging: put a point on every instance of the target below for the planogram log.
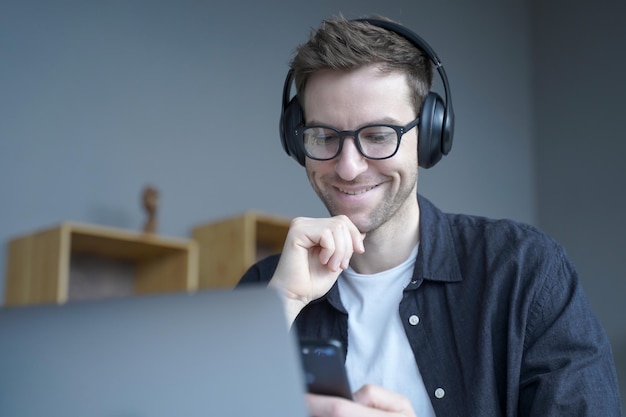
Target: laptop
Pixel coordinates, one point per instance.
(212, 353)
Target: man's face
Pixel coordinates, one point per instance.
(369, 192)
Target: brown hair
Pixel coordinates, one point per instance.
(342, 44)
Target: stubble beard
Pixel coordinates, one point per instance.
(376, 217)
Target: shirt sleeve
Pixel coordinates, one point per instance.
(567, 367)
(260, 272)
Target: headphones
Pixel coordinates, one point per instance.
(436, 124)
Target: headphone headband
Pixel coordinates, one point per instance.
(436, 126)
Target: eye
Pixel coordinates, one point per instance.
(378, 135)
(320, 136)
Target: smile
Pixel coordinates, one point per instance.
(356, 192)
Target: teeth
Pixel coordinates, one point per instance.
(350, 192)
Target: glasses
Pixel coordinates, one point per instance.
(377, 141)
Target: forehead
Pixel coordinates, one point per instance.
(357, 96)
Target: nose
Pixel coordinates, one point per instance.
(350, 163)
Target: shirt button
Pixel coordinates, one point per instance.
(414, 320)
(440, 393)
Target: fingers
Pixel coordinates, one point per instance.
(339, 239)
(327, 406)
(337, 245)
(377, 397)
(315, 252)
(369, 401)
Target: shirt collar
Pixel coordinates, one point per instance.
(436, 258)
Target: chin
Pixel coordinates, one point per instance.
(363, 222)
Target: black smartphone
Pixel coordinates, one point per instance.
(324, 368)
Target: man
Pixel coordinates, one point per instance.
(440, 314)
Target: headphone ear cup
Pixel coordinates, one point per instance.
(292, 117)
(431, 125)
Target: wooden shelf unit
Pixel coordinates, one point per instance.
(38, 264)
(228, 247)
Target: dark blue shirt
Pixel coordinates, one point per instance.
(497, 321)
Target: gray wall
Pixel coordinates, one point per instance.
(579, 54)
(99, 99)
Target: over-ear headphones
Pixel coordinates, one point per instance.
(436, 125)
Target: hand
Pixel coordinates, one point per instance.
(369, 401)
(314, 254)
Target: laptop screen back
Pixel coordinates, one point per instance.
(217, 353)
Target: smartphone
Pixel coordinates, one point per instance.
(324, 368)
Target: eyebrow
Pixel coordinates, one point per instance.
(383, 121)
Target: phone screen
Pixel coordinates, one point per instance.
(324, 368)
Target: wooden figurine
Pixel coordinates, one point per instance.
(150, 200)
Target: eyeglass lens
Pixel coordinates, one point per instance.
(376, 142)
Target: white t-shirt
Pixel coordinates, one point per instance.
(378, 349)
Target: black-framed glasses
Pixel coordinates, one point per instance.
(377, 141)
